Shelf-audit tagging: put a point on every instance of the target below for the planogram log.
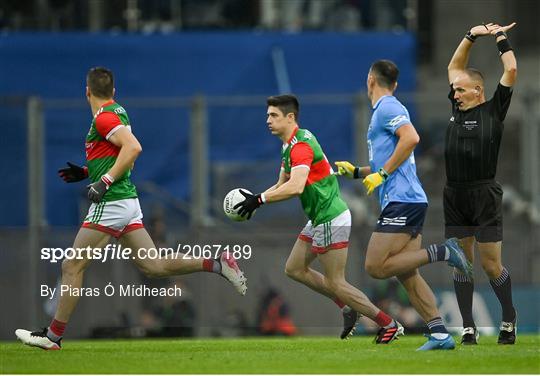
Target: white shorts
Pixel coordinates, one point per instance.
(329, 235)
(115, 217)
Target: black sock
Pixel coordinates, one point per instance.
(437, 253)
(503, 289)
(464, 288)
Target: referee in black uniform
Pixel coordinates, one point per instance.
(472, 197)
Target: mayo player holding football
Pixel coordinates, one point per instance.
(111, 151)
(305, 172)
(395, 246)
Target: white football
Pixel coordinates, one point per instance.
(233, 198)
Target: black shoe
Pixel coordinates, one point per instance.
(387, 335)
(470, 336)
(350, 318)
(507, 332)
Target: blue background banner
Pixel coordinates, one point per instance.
(178, 65)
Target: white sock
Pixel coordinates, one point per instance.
(440, 335)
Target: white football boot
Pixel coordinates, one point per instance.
(38, 339)
(231, 271)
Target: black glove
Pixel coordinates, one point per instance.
(248, 206)
(97, 190)
(73, 173)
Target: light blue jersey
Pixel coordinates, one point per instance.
(403, 185)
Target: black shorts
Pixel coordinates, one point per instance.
(402, 217)
(473, 210)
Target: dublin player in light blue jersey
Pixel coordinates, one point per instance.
(395, 246)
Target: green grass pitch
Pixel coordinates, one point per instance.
(271, 355)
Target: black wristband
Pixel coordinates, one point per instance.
(504, 46)
(356, 173)
(470, 36)
(501, 34)
(383, 173)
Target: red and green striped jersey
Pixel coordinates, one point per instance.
(101, 154)
(321, 199)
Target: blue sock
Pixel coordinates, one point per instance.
(436, 326)
(437, 253)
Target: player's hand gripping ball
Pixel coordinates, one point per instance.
(234, 197)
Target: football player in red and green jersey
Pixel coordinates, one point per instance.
(111, 151)
(305, 172)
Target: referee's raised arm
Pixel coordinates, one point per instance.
(507, 55)
(461, 56)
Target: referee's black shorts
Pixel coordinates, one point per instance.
(474, 209)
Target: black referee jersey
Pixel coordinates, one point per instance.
(473, 138)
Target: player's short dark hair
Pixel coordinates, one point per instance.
(100, 81)
(475, 75)
(286, 103)
(385, 72)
